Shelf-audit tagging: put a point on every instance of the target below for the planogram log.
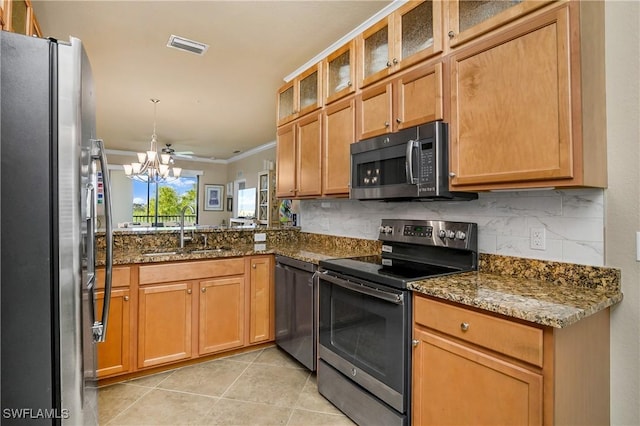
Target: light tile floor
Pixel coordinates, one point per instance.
(263, 387)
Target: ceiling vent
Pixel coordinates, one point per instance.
(187, 45)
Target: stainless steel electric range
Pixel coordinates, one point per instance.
(365, 314)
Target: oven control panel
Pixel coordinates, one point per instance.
(417, 231)
(459, 235)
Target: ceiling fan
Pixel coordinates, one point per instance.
(179, 154)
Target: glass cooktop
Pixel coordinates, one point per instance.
(392, 272)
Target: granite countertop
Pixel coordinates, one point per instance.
(546, 303)
(552, 294)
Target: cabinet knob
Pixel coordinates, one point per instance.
(292, 190)
(415, 342)
(386, 124)
(349, 83)
(398, 121)
(452, 174)
(464, 326)
(126, 298)
(451, 34)
(189, 291)
(389, 64)
(204, 289)
(253, 266)
(395, 61)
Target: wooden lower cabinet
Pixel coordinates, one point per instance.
(221, 314)
(471, 367)
(460, 385)
(164, 323)
(261, 299)
(114, 354)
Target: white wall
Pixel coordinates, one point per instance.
(622, 202)
(573, 220)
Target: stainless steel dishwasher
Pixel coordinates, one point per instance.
(296, 309)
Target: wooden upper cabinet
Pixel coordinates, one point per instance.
(301, 95)
(339, 73)
(286, 161)
(407, 36)
(18, 16)
(338, 135)
(470, 19)
(299, 157)
(411, 98)
(520, 105)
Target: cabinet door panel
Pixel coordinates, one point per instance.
(339, 134)
(374, 111)
(114, 353)
(286, 161)
(511, 108)
(262, 315)
(164, 324)
(221, 314)
(419, 97)
(309, 154)
(454, 384)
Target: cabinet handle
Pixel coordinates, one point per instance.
(349, 83)
(452, 174)
(386, 124)
(189, 291)
(253, 266)
(126, 298)
(451, 34)
(464, 326)
(388, 64)
(415, 342)
(395, 61)
(204, 289)
(398, 121)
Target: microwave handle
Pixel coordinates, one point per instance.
(409, 161)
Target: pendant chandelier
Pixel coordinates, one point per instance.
(152, 166)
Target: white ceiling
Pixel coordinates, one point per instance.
(214, 104)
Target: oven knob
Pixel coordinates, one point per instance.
(451, 235)
(388, 230)
(442, 233)
(460, 235)
(381, 229)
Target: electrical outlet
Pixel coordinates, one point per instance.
(537, 239)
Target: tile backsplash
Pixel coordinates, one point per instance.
(573, 220)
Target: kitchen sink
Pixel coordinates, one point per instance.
(211, 250)
(161, 253)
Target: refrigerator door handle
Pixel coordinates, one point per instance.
(91, 256)
(99, 155)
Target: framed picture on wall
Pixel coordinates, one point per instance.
(213, 197)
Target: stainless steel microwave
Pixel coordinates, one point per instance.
(410, 164)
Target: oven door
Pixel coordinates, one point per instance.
(364, 334)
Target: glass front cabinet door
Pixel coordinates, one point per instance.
(339, 73)
(409, 35)
(300, 96)
(470, 19)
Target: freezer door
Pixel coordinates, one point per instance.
(76, 129)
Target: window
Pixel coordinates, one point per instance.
(162, 204)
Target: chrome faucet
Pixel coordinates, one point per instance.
(182, 237)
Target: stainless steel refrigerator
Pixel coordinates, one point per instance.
(52, 187)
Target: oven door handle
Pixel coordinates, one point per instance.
(387, 296)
